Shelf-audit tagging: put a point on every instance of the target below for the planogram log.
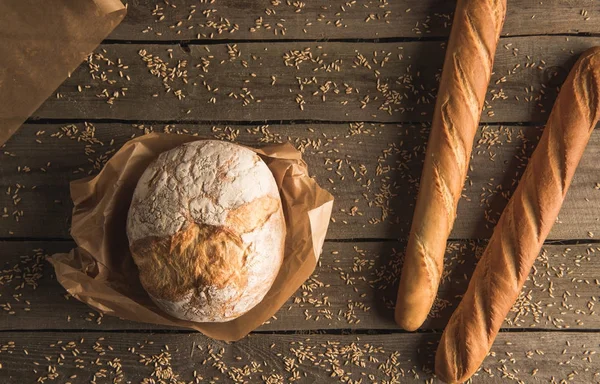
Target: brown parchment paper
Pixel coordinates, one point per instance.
(41, 43)
(101, 272)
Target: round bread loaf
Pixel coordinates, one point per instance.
(206, 230)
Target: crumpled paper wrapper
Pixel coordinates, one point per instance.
(101, 272)
(41, 43)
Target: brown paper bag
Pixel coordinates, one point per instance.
(41, 43)
(101, 271)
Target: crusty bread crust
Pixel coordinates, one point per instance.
(206, 230)
(465, 77)
(523, 226)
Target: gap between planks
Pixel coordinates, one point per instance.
(353, 287)
(394, 162)
(385, 82)
(229, 19)
(309, 358)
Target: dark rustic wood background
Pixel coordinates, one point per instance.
(352, 84)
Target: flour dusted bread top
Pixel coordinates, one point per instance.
(206, 230)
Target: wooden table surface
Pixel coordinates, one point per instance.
(352, 84)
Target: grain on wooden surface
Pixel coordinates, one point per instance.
(330, 81)
(310, 358)
(353, 287)
(371, 169)
(266, 19)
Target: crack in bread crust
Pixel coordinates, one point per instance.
(479, 42)
(466, 89)
(444, 192)
(455, 143)
(200, 255)
(430, 264)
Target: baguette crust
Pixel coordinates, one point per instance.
(465, 77)
(523, 226)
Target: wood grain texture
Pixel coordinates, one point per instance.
(328, 81)
(353, 288)
(371, 169)
(407, 358)
(235, 19)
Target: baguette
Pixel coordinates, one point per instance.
(465, 77)
(523, 226)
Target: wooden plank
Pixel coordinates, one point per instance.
(372, 170)
(328, 81)
(354, 287)
(407, 358)
(262, 19)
